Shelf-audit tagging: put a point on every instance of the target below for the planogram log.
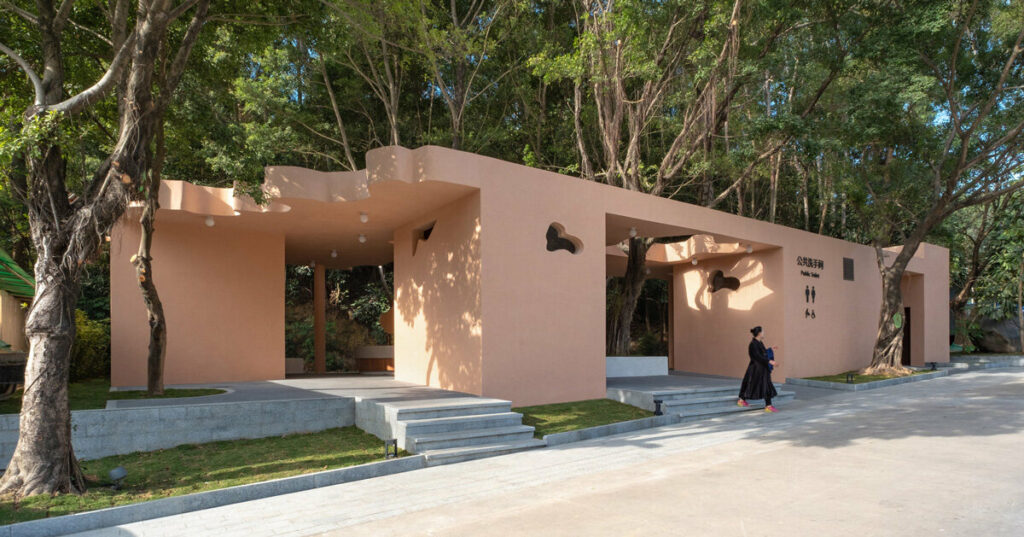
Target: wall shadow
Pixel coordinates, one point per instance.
(438, 328)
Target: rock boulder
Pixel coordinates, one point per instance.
(999, 336)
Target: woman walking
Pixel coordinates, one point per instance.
(757, 382)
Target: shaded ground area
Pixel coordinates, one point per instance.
(94, 394)
(939, 457)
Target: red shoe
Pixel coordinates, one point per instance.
(741, 402)
(770, 408)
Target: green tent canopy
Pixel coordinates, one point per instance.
(14, 279)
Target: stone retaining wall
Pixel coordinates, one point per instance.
(99, 433)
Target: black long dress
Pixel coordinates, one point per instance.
(757, 382)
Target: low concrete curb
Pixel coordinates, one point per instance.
(866, 385)
(579, 435)
(126, 514)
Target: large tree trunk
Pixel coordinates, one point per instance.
(888, 353)
(620, 314)
(889, 340)
(44, 461)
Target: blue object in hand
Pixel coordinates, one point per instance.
(770, 354)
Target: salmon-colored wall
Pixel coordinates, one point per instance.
(438, 327)
(483, 307)
(841, 334)
(12, 321)
(544, 312)
(711, 335)
(712, 329)
(223, 294)
(932, 264)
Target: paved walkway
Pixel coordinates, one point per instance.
(940, 457)
(383, 388)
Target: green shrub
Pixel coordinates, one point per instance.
(344, 335)
(650, 344)
(90, 354)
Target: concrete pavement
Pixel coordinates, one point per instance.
(940, 457)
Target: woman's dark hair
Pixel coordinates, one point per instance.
(755, 330)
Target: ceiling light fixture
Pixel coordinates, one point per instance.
(750, 249)
(632, 232)
(362, 238)
(693, 261)
(363, 217)
(209, 221)
(334, 253)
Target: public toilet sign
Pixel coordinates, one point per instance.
(809, 262)
(810, 266)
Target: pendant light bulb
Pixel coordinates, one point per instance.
(363, 217)
(362, 238)
(209, 221)
(334, 253)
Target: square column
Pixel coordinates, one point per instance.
(319, 319)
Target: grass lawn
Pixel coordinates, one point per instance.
(92, 394)
(198, 467)
(561, 417)
(860, 379)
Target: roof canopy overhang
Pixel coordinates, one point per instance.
(320, 213)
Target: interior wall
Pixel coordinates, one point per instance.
(712, 329)
(912, 289)
(437, 324)
(223, 294)
(12, 321)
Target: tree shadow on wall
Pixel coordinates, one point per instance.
(442, 290)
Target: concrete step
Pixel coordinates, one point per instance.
(439, 409)
(472, 437)
(698, 393)
(725, 410)
(415, 428)
(676, 405)
(458, 454)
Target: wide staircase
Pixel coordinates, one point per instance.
(696, 403)
(961, 364)
(461, 429)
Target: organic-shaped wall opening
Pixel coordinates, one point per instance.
(421, 234)
(720, 281)
(558, 239)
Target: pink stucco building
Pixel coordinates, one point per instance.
(481, 304)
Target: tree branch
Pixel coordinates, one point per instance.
(20, 12)
(180, 10)
(37, 84)
(89, 96)
(62, 14)
(181, 57)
